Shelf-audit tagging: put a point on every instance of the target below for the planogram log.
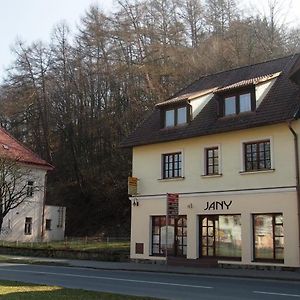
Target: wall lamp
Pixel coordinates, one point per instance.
(135, 202)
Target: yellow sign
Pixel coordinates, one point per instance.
(132, 186)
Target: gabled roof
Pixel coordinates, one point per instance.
(281, 103)
(13, 149)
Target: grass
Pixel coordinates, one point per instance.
(79, 245)
(10, 290)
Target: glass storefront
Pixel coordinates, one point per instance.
(268, 237)
(221, 236)
(174, 236)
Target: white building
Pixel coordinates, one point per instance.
(228, 147)
(32, 220)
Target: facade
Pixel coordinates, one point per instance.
(32, 220)
(228, 147)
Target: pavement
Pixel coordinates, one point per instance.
(288, 275)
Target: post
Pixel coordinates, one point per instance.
(167, 223)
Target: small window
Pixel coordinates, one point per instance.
(212, 161)
(30, 189)
(245, 102)
(48, 224)
(172, 165)
(257, 156)
(175, 116)
(230, 106)
(28, 226)
(239, 103)
(268, 237)
(170, 118)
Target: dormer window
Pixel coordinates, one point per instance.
(239, 103)
(175, 116)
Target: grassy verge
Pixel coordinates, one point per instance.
(11, 290)
(71, 245)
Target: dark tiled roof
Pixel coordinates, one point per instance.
(13, 149)
(280, 104)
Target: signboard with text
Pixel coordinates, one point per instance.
(172, 204)
(132, 186)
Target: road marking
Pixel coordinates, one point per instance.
(278, 294)
(110, 278)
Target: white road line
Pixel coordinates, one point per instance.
(276, 294)
(109, 278)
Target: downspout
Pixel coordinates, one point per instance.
(296, 150)
(43, 211)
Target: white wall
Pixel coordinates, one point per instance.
(57, 230)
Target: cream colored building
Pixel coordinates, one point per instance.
(228, 146)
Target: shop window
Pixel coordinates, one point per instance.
(176, 243)
(212, 161)
(172, 165)
(257, 156)
(221, 236)
(28, 226)
(268, 237)
(48, 224)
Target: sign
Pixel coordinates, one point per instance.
(172, 204)
(216, 205)
(132, 186)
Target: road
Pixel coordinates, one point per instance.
(159, 285)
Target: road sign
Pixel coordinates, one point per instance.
(172, 200)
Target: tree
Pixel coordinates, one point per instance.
(14, 188)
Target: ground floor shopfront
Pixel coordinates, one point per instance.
(243, 227)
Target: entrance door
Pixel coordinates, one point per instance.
(208, 229)
(177, 236)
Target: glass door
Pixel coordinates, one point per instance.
(208, 229)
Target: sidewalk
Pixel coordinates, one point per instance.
(143, 267)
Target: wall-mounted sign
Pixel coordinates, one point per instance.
(216, 205)
(172, 202)
(132, 186)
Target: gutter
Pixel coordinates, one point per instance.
(297, 170)
(43, 209)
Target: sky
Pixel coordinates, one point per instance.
(31, 20)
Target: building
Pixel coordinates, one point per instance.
(32, 220)
(228, 147)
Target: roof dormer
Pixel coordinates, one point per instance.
(181, 110)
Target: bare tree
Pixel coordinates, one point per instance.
(14, 188)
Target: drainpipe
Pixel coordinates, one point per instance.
(296, 150)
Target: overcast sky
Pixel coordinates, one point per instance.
(33, 20)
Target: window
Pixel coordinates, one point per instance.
(172, 165)
(177, 236)
(28, 226)
(221, 236)
(29, 189)
(48, 224)
(239, 103)
(212, 161)
(60, 222)
(268, 237)
(257, 156)
(176, 116)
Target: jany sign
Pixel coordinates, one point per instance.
(218, 205)
(172, 204)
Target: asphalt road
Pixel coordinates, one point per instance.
(159, 285)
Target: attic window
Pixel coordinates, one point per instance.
(5, 147)
(238, 102)
(175, 116)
